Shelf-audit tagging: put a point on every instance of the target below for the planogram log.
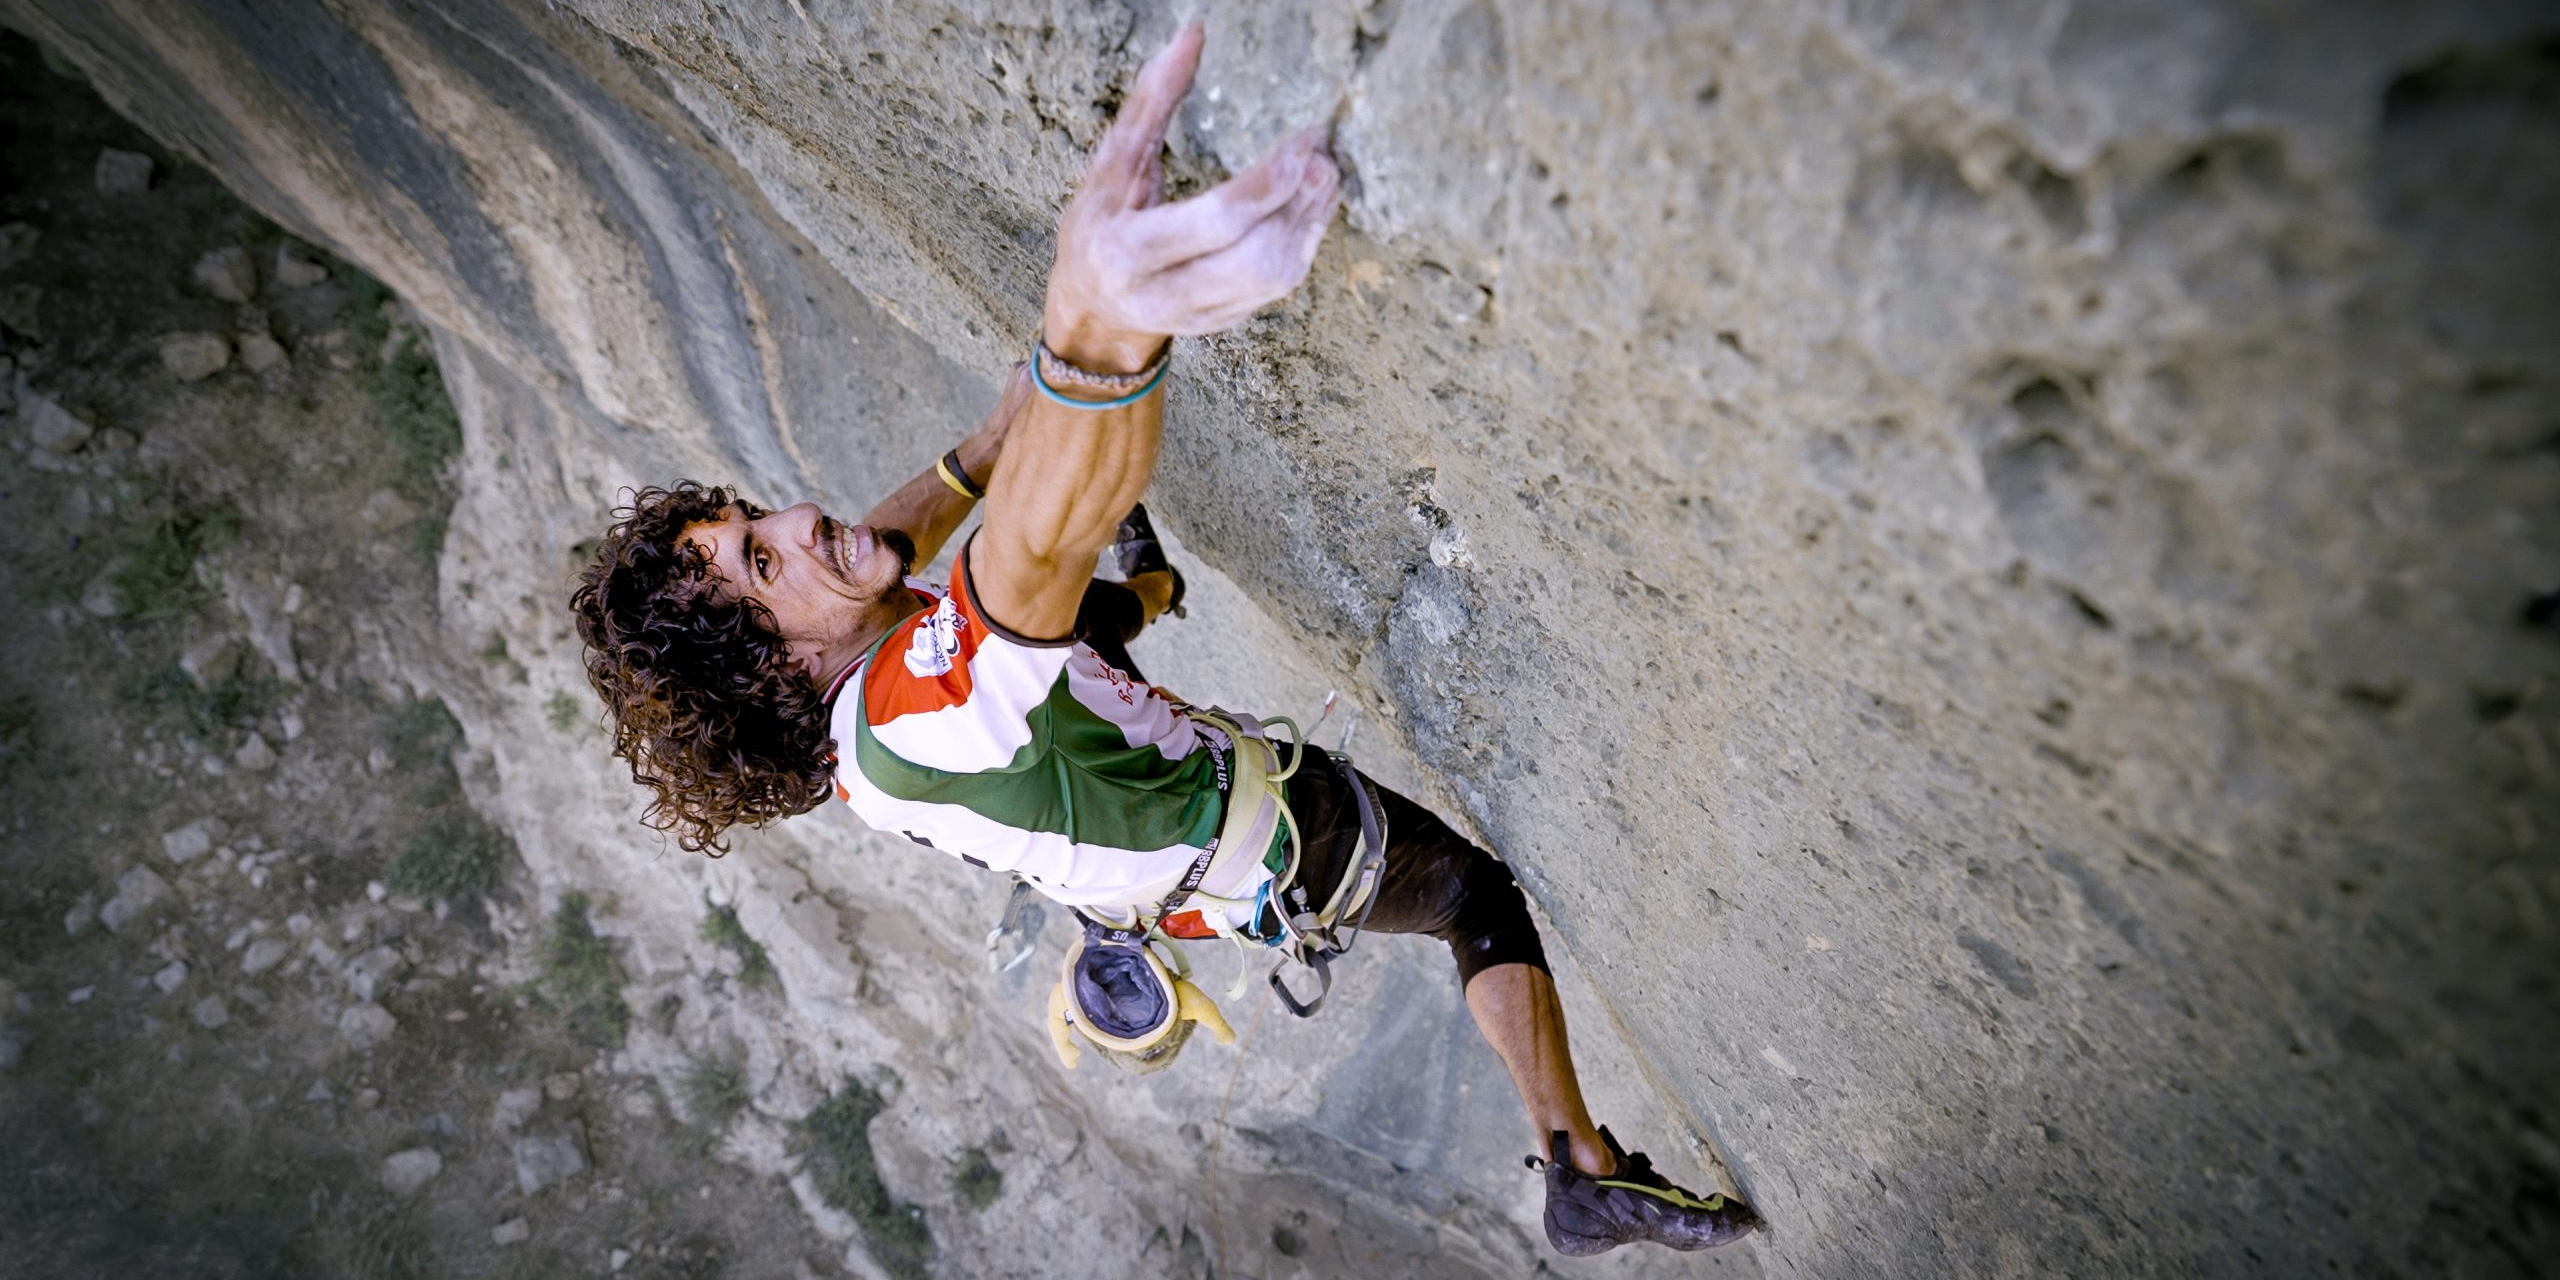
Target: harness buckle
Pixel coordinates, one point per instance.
(1322, 963)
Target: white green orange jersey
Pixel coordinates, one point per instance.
(1030, 756)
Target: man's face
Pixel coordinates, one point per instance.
(825, 583)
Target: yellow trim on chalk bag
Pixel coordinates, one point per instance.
(1061, 1035)
(1194, 1005)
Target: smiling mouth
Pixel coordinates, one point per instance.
(842, 547)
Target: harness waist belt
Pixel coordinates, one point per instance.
(1252, 816)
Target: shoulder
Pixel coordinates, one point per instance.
(921, 665)
(952, 658)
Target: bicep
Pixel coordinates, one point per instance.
(1032, 596)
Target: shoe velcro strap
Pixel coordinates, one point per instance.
(1671, 1195)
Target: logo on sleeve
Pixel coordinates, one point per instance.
(934, 646)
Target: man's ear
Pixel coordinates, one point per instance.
(808, 655)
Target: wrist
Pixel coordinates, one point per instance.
(979, 456)
(1080, 339)
(961, 478)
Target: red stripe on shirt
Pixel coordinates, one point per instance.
(892, 689)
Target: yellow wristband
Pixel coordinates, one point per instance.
(948, 467)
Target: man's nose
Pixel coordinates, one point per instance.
(802, 523)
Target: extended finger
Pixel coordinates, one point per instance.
(1283, 254)
(1168, 235)
(1313, 210)
(1218, 290)
(1284, 250)
(1138, 134)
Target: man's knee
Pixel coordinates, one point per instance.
(1492, 926)
(1154, 591)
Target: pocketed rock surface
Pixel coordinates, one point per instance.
(1971, 557)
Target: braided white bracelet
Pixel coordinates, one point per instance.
(1050, 371)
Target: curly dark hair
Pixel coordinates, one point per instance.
(707, 705)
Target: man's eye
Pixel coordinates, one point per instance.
(764, 566)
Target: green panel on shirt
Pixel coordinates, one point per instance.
(1077, 777)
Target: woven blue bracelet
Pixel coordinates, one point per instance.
(1041, 381)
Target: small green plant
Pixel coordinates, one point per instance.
(421, 734)
(457, 855)
(836, 1137)
(365, 299)
(428, 534)
(18, 739)
(156, 574)
(715, 1091)
(561, 711)
(164, 690)
(977, 1180)
(452, 852)
(408, 391)
(583, 978)
(233, 702)
(720, 927)
(375, 1241)
(410, 400)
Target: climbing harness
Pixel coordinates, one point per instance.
(1125, 985)
(1283, 915)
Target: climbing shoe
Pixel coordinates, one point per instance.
(1588, 1215)
(1137, 551)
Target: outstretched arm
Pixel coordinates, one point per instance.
(928, 510)
(1131, 272)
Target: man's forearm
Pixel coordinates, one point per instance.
(927, 509)
(1130, 270)
(1072, 474)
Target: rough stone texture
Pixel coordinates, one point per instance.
(405, 1172)
(368, 975)
(194, 840)
(210, 1013)
(264, 954)
(194, 357)
(20, 309)
(1968, 555)
(227, 273)
(365, 1026)
(123, 173)
(52, 427)
(545, 1159)
(295, 271)
(260, 352)
(139, 892)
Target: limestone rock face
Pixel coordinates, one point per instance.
(1968, 556)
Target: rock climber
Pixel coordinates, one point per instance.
(754, 662)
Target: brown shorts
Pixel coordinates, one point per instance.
(1436, 882)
